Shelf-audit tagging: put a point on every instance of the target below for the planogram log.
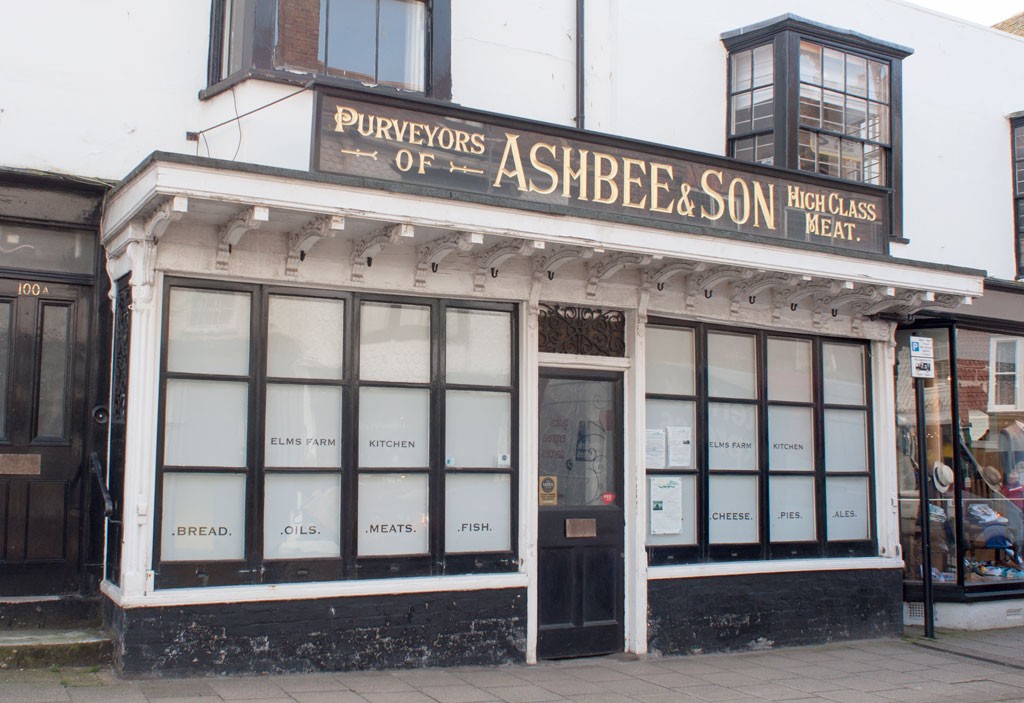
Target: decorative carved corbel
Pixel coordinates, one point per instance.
(706, 280)
(170, 211)
(432, 254)
(657, 278)
(364, 251)
(607, 267)
(546, 266)
(142, 253)
(489, 261)
(301, 242)
(761, 282)
(231, 233)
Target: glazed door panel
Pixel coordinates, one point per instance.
(43, 332)
(580, 521)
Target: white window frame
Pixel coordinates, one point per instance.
(1018, 385)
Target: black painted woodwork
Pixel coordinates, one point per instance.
(581, 579)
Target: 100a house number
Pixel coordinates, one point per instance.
(32, 289)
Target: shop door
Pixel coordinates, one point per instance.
(43, 332)
(580, 520)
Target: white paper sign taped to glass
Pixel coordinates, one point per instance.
(666, 500)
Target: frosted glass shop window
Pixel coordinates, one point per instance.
(672, 510)
(302, 516)
(394, 343)
(303, 426)
(477, 513)
(203, 517)
(791, 512)
(789, 370)
(731, 367)
(478, 429)
(843, 368)
(205, 423)
(305, 338)
(846, 440)
(670, 361)
(671, 437)
(393, 515)
(394, 426)
(732, 436)
(790, 438)
(478, 347)
(208, 332)
(846, 508)
(732, 510)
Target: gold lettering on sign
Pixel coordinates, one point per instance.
(408, 132)
(32, 289)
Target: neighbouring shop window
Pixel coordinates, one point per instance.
(974, 444)
(1017, 132)
(313, 436)
(402, 44)
(817, 99)
(757, 445)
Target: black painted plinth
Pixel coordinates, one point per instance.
(329, 634)
(758, 611)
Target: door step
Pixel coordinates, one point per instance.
(39, 648)
(68, 612)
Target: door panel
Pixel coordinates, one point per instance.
(43, 385)
(580, 519)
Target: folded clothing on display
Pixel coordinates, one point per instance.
(982, 514)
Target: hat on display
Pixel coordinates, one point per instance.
(993, 476)
(942, 476)
(995, 537)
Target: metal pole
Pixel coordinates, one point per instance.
(926, 547)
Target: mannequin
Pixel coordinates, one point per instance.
(1011, 445)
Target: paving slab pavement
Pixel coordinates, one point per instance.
(975, 667)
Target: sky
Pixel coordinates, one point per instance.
(986, 12)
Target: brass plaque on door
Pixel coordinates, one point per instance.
(19, 465)
(581, 527)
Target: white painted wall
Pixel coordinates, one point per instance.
(94, 93)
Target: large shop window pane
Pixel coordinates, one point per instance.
(671, 434)
(478, 513)
(478, 429)
(302, 516)
(53, 371)
(394, 426)
(732, 436)
(5, 359)
(208, 332)
(305, 338)
(393, 515)
(672, 510)
(203, 517)
(731, 372)
(790, 438)
(791, 509)
(847, 509)
(670, 361)
(846, 440)
(478, 347)
(843, 368)
(303, 426)
(394, 343)
(205, 423)
(732, 510)
(789, 370)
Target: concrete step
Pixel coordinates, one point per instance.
(66, 612)
(39, 648)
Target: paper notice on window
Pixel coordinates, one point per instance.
(655, 449)
(666, 506)
(680, 447)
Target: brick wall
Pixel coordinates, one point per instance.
(767, 610)
(298, 29)
(331, 634)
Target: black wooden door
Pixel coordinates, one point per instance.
(43, 352)
(580, 520)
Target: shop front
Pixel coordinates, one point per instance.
(479, 390)
(973, 431)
